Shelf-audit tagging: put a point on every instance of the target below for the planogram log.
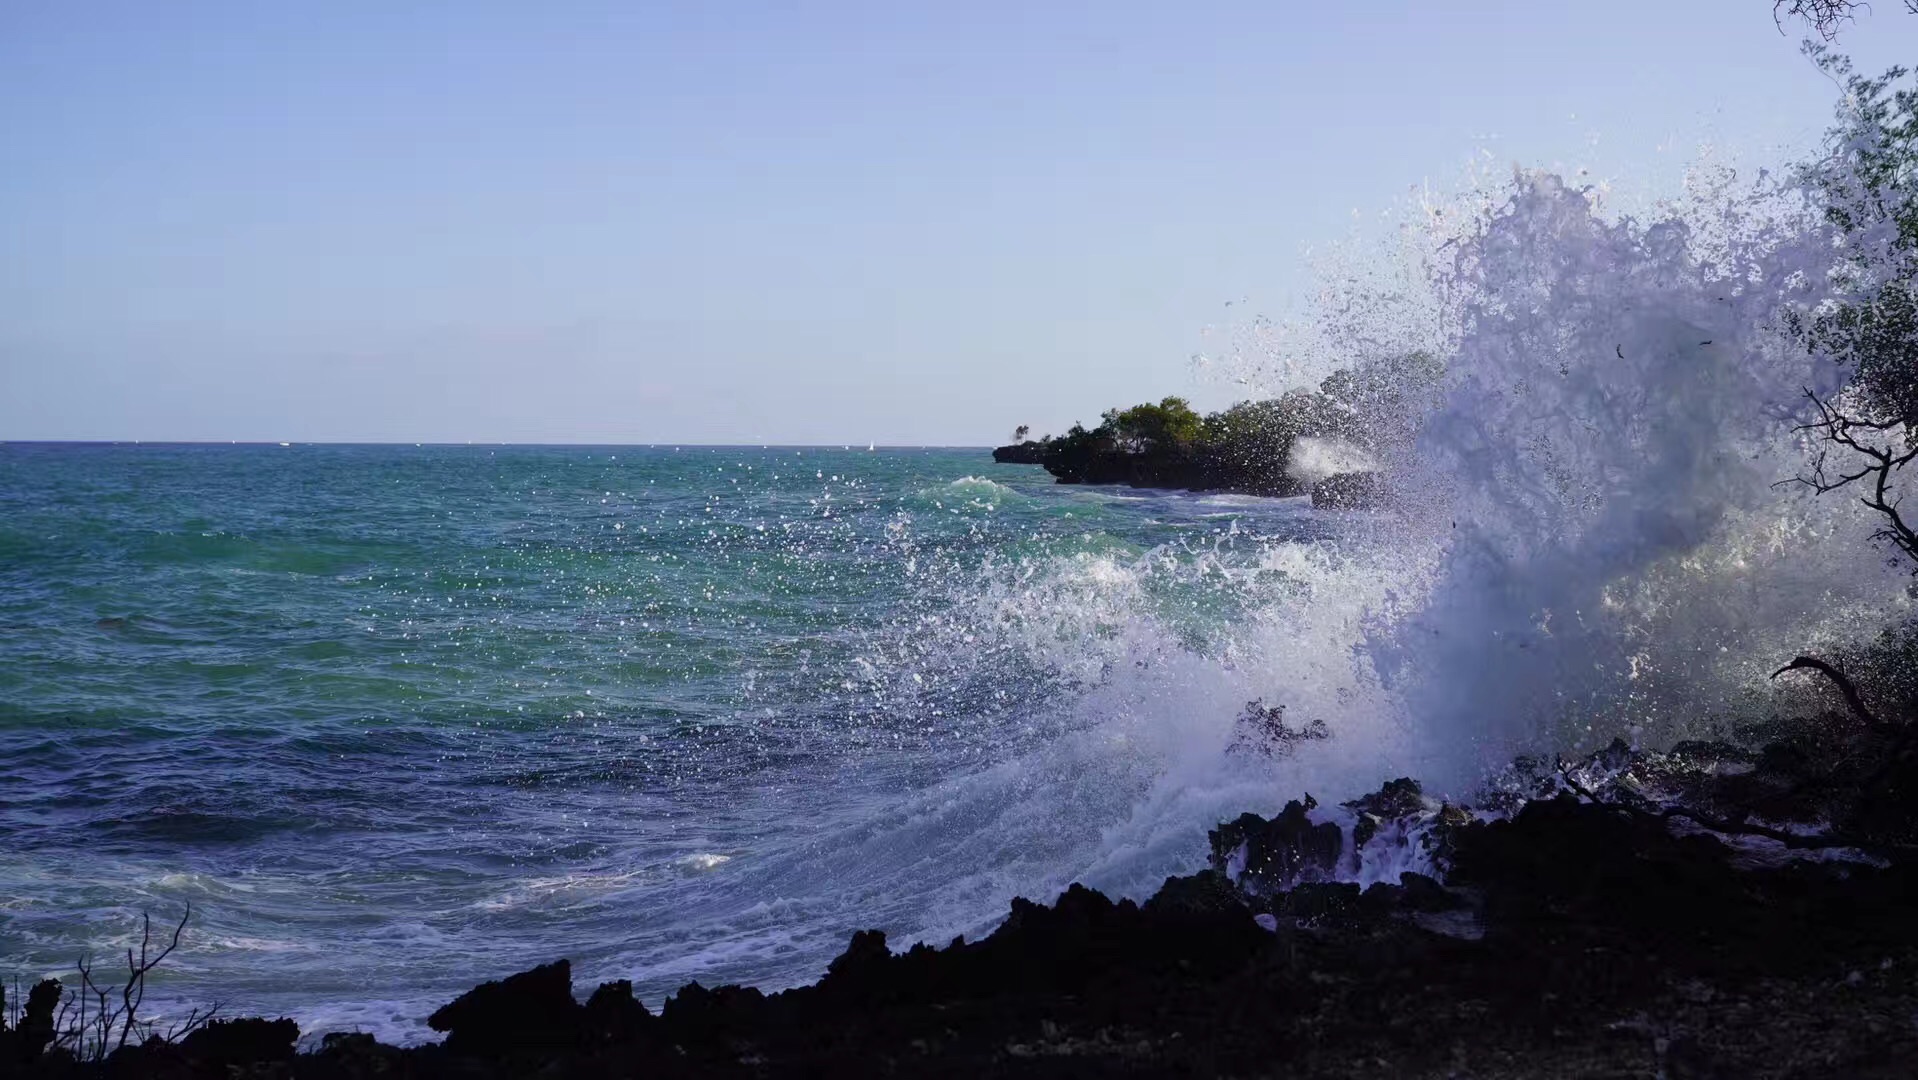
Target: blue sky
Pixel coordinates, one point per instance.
(724, 222)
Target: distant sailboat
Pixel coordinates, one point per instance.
(872, 446)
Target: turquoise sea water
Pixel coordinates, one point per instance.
(396, 719)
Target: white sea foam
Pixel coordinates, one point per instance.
(1314, 459)
(1591, 546)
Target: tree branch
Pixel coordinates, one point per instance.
(1845, 687)
(1838, 428)
(1718, 825)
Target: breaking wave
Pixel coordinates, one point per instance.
(1590, 543)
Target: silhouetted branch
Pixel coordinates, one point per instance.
(1845, 687)
(1880, 461)
(87, 1020)
(194, 1021)
(1826, 17)
(1725, 826)
(134, 992)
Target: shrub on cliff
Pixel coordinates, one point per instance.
(1170, 427)
(1247, 447)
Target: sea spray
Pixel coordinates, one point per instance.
(1314, 459)
(1590, 538)
(1587, 543)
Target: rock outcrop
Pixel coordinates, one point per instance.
(1578, 934)
(1023, 453)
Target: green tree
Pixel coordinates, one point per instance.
(1868, 185)
(1170, 425)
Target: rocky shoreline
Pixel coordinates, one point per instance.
(1340, 491)
(1632, 915)
(1286, 446)
(1076, 464)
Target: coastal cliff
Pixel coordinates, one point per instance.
(1028, 452)
(1275, 447)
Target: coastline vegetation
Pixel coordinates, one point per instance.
(1253, 447)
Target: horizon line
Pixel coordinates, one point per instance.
(291, 443)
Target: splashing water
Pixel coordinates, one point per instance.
(1601, 481)
(702, 714)
(1313, 459)
(1592, 541)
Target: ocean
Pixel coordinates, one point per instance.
(396, 719)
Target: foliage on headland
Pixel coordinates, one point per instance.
(1254, 447)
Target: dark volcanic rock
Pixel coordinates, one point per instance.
(1397, 800)
(37, 1019)
(533, 1009)
(224, 1044)
(1025, 453)
(1279, 853)
(614, 1015)
(1573, 938)
(1205, 895)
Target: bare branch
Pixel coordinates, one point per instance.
(87, 1020)
(1724, 826)
(1880, 460)
(1845, 687)
(195, 1020)
(1826, 17)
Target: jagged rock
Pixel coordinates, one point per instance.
(1616, 756)
(1207, 894)
(1596, 865)
(356, 1054)
(529, 1010)
(227, 1044)
(1571, 938)
(1350, 491)
(859, 970)
(1314, 900)
(612, 1014)
(1024, 453)
(866, 951)
(696, 1015)
(1398, 799)
(157, 1059)
(35, 1030)
(1279, 853)
(1422, 893)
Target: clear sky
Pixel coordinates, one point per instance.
(732, 222)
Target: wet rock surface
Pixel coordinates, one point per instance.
(1270, 855)
(1020, 453)
(1575, 935)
